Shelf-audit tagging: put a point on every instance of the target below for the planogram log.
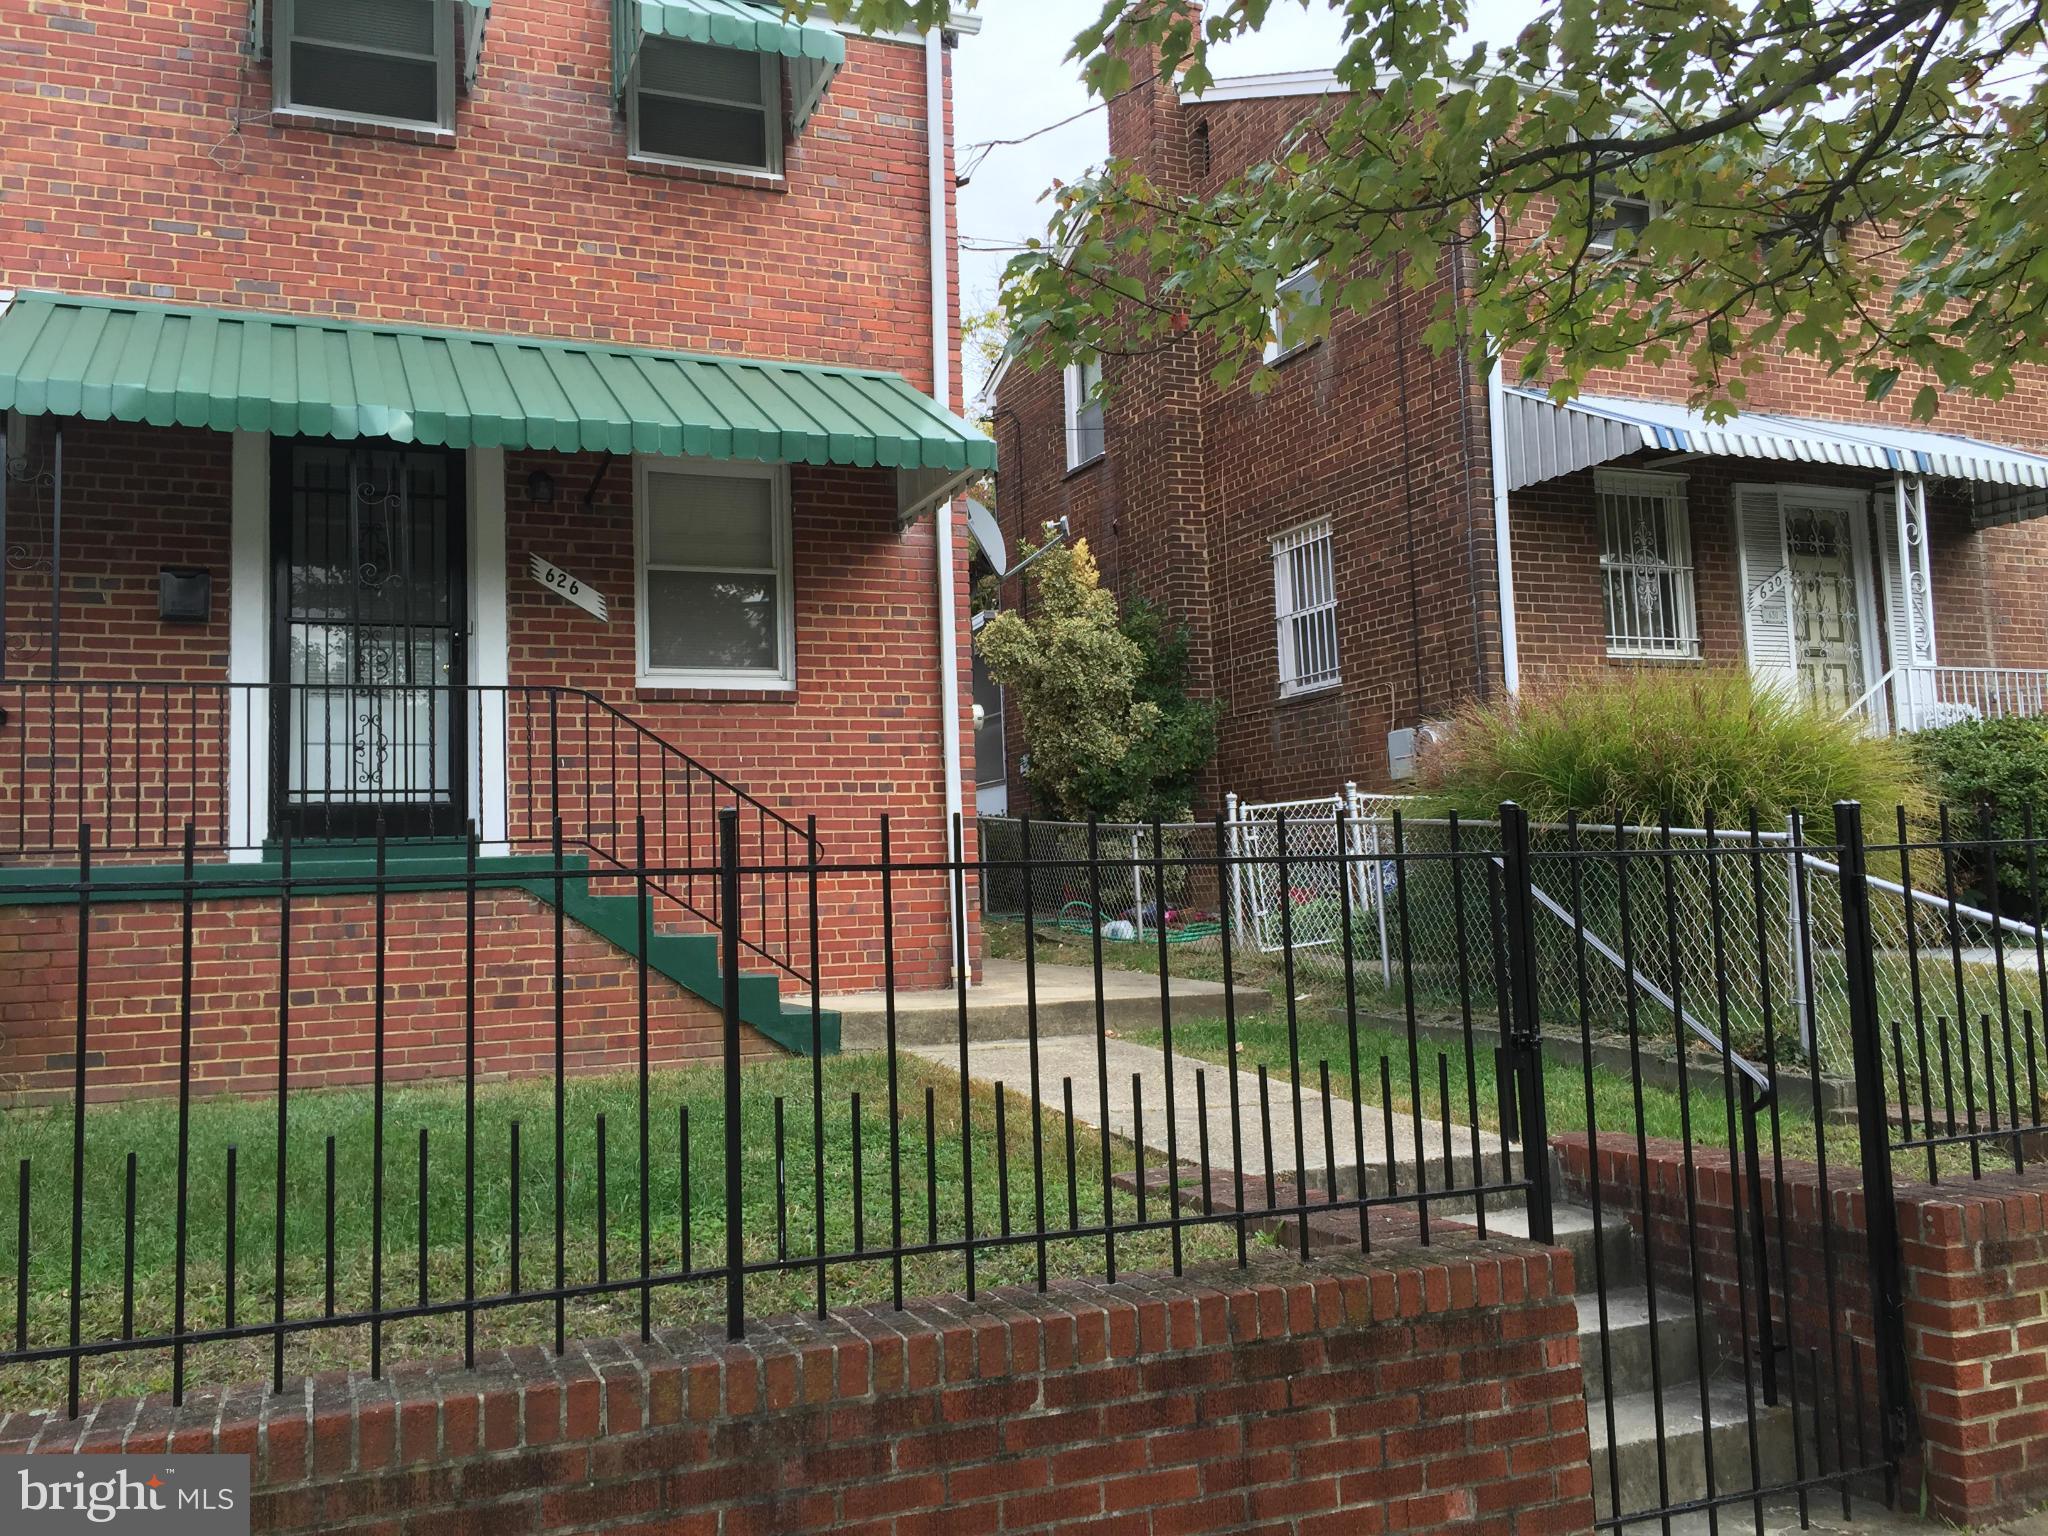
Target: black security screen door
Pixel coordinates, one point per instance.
(368, 656)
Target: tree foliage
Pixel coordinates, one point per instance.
(1858, 181)
(1103, 700)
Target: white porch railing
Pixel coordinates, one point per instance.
(1921, 698)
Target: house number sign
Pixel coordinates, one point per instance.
(571, 589)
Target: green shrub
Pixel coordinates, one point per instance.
(2002, 764)
(1156, 777)
(1635, 745)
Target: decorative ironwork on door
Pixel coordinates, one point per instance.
(370, 619)
(1827, 637)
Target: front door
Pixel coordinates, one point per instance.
(1829, 639)
(368, 665)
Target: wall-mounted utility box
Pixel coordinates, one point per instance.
(184, 595)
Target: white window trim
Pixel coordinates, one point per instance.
(445, 71)
(1071, 418)
(1285, 611)
(1643, 482)
(771, 97)
(1275, 352)
(783, 679)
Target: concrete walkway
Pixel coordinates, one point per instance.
(1009, 1062)
(998, 1009)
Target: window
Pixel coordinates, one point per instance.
(1086, 439)
(1305, 604)
(1615, 210)
(379, 61)
(1646, 565)
(698, 105)
(715, 598)
(1289, 335)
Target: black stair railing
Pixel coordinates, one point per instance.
(137, 760)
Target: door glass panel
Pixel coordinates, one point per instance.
(1827, 629)
(371, 634)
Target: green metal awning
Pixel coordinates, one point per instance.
(243, 370)
(814, 50)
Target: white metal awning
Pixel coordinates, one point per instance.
(1545, 439)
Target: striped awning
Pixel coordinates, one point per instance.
(1545, 439)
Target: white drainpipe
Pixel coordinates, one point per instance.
(942, 391)
(1503, 553)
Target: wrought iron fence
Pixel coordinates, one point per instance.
(230, 1150)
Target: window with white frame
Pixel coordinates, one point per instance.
(1646, 564)
(1086, 439)
(701, 105)
(1305, 606)
(715, 593)
(1614, 211)
(1304, 290)
(379, 61)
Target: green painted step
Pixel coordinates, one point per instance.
(690, 960)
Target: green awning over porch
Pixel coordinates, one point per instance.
(242, 370)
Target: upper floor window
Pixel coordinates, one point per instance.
(1305, 606)
(1086, 438)
(1614, 211)
(1646, 564)
(698, 105)
(716, 598)
(378, 61)
(1304, 290)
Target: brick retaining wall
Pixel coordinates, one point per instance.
(1976, 1281)
(1415, 1390)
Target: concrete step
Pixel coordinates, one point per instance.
(1001, 1007)
(1507, 1216)
(1631, 1449)
(1621, 1355)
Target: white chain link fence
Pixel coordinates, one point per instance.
(1731, 936)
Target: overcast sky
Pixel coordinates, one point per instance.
(1011, 81)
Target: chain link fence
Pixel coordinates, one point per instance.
(1736, 939)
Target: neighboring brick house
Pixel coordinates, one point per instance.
(1332, 544)
(443, 412)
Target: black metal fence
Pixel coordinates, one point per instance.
(429, 1157)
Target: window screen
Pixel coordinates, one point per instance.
(388, 60)
(716, 566)
(711, 106)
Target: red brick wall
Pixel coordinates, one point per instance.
(143, 161)
(1409, 1392)
(133, 997)
(1975, 1258)
(1197, 481)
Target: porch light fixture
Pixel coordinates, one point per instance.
(540, 488)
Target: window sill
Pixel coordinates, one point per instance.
(664, 687)
(682, 170)
(1683, 658)
(364, 128)
(1292, 353)
(1312, 691)
(1085, 465)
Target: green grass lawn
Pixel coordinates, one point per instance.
(772, 1225)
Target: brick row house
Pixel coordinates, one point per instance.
(1388, 532)
(430, 417)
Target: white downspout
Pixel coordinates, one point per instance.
(942, 391)
(1503, 553)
